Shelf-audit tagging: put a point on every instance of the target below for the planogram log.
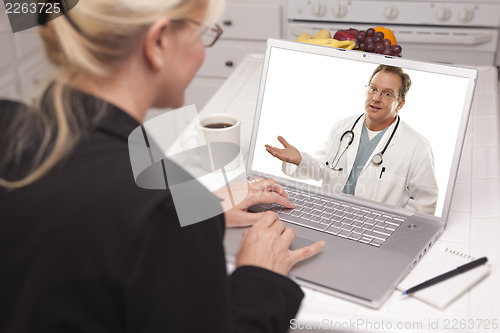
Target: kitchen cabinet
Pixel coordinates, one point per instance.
(247, 25)
(23, 65)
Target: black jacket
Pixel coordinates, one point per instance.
(86, 250)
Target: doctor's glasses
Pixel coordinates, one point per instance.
(386, 95)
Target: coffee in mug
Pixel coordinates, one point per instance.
(218, 125)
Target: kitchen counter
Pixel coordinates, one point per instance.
(473, 225)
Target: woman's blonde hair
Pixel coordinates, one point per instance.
(89, 41)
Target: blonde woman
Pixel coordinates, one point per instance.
(86, 250)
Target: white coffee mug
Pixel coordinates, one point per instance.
(222, 135)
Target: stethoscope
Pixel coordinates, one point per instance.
(377, 158)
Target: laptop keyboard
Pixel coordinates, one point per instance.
(337, 218)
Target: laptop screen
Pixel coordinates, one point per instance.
(311, 95)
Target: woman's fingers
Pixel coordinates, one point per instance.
(267, 220)
(268, 191)
(267, 245)
(306, 252)
(298, 255)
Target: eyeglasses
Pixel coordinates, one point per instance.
(210, 34)
(386, 96)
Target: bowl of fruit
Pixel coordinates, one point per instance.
(375, 40)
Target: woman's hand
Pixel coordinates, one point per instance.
(267, 245)
(249, 194)
(288, 154)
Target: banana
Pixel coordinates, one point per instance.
(304, 37)
(323, 37)
(345, 44)
(322, 34)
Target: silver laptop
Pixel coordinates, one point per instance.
(305, 91)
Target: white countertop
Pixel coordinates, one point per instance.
(473, 226)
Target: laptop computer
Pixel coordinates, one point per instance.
(306, 89)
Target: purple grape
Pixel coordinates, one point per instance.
(387, 43)
(377, 39)
(370, 47)
(370, 32)
(380, 34)
(379, 47)
(396, 49)
(386, 51)
(361, 36)
(362, 46)
(368, 39)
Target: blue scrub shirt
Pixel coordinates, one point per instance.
(365, 150)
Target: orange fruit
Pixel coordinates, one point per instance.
(387, 34)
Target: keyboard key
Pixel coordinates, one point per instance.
(358, 224)
(333, 230)
(370, 222)
(337, 225)
(296, 213)
(336, 218)
(376, 242)
(375, 235)
(359, 213)
(392, 223)
(330, 210)
(316, 219)
(381, 231)
(326, 223)
(365, 239)
(367, 227)
(349, 216)
(307, 217)
(327, 216)
(360, 219)
(306, 210)
(354, 236)
(344, 233)
(346, 221)
(317, 212)
(298, 202)
(358, 231)
(346, 227)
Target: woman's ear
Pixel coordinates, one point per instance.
(156, 43)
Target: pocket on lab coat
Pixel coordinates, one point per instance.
(390, 189)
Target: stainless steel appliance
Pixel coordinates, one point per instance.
(457, 31)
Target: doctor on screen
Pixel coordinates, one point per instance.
(374, 155)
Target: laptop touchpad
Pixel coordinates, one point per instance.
(300, 242)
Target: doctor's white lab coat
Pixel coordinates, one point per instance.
(405, 178)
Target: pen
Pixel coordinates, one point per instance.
(381, 172)
(447, 275)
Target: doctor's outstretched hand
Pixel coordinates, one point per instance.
(267, 245)
(288, 154)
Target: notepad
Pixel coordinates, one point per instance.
(433, 264)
